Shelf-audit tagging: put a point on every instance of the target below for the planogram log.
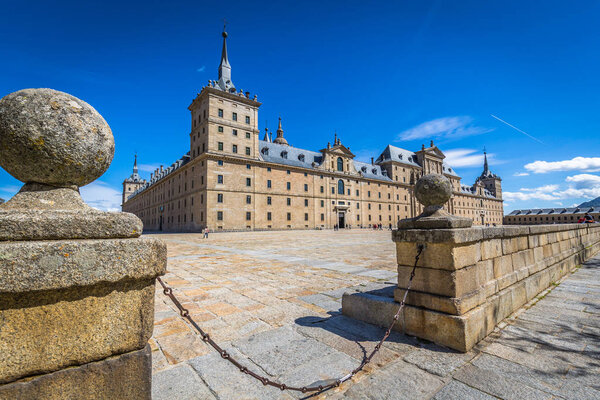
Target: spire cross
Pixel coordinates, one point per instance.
(224, 24)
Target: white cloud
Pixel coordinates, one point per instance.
(448, 127)
(580, 186)
(148, 167)
(101, 196)
(587, 164)
(464, 158)
(202, 68)
(521, 174)
(586, 181)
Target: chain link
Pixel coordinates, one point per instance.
(266, 381)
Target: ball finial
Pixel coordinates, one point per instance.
(53, 138)
(433, 190)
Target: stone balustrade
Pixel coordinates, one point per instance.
(469, 279)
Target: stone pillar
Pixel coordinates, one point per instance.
(76, 283)
(468, 279)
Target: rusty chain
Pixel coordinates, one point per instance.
(282, 386)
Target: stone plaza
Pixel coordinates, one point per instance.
(273, 299)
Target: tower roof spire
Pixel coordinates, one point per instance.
(280, 139)
(486, 169)
(135, 168)
(225, 83)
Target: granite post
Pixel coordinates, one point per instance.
(468, 279)
(76, 283)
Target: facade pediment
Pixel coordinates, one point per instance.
(338, 150)
(433, 151)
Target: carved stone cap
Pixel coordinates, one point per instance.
(55, 143)
(433, 191)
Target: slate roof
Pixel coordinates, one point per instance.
(562, 210)
(288, 155)
(167, 171)
(393, 153)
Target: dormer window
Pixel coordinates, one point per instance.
(265, 151)
(409, 158)
(284, 154)
(400, 156)
(301, 157)
(374, 170)
(364, 169)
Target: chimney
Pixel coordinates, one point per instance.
(247, 95)
(161, 169)
(372, 163)
(431, 145)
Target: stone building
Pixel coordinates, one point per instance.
(539, 216)
(230, 179)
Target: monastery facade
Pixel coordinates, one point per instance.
(232, 180)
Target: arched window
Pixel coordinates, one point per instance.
(340, 187)
(340, 164)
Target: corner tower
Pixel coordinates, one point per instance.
(224, 120)
(490, 181)
(133, 183)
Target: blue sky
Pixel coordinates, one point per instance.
(401, 72)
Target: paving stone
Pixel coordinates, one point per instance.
(179, 382)
(456, 390)
(398, 380)
(497, 384)
(438, 360)
(228, 382)
(281, 350)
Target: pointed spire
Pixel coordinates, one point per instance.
(280, 139)
(224, 68)
(335, 139)
(135, 168)
(486, 169)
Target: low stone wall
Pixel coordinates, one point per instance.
(470, 279)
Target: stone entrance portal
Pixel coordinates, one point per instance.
(341, 220)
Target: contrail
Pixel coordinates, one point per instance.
(517, 129)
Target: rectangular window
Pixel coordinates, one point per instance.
(248, 166)
(322, 189)
(248, 182)
(248, 216)
(219, 178)
(322, 203)
(268, 216)
(220, 112)
(247, 119)
(219, 197)
(288, 172)
(369, 193)
(268, 169)
(288, 185)
(220, 146)
(356, 192)
(305, 202)
(248, 199)
(234, 116)
(289, 201)
(289, 216)
(332, 190)
(306, 187)
(322, 217)
(357, 205)
(234, 131)
(247, 135)
(268, 184)
(306, 216)
(247, 151)
(269, 200)
(234, 148)
(219, 215)
(220, 129)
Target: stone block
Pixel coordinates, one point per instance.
(491, 248)
(502, 266)
(85, 324)
(49, 265)
(455, 236)
(446, 256)
(123, 377)
(522, 259)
